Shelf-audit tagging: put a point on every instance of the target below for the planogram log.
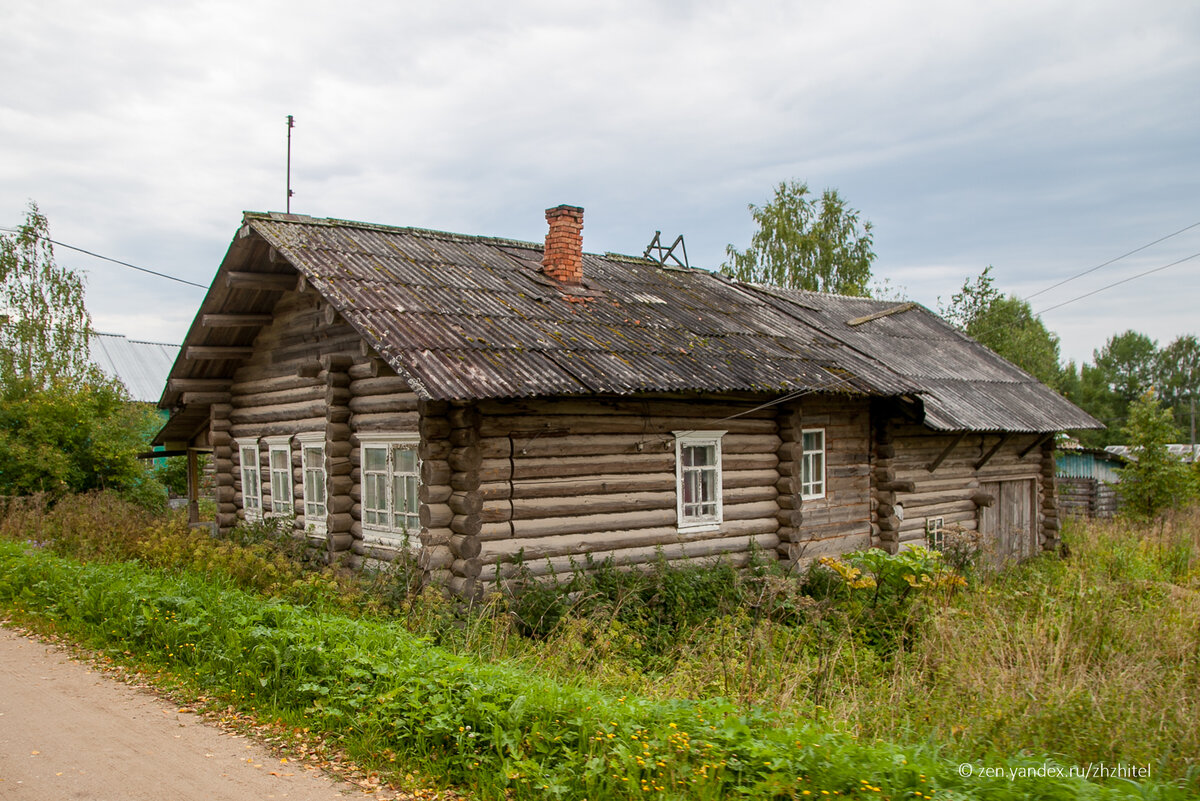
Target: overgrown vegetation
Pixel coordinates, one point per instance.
(64, 427)
(702, 681)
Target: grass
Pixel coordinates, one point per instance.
(865, 675)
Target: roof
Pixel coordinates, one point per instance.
(141, 366)
(465, 317)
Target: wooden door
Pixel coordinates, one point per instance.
(1009, 525)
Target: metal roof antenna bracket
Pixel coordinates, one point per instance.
(658, 252)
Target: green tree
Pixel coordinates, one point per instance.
(1154, 480)
(44, 324)
(64, 427)
(1178, 377)
(1008, 326)
(804, 243)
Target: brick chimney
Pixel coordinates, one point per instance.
(562, 258)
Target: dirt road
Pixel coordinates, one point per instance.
(68, 731)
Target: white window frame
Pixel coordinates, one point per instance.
(251, 502)
(388, 532)
(315, 519)
(812, 488)
(280, 445)
(686, 520)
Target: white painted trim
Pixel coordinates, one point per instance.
(690, 438)
(312, 440)
(813, 496)
(375, 532)
(250, 442)
(274, 445)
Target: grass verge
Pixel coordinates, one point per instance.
(501, 730)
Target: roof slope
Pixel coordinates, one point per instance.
(474, 317)
(141, 366)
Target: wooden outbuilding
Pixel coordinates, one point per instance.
(481, 402)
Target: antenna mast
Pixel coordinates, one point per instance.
(291, 125)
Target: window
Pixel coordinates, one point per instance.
(251, 481)
(280, 460)
(390, 479)
(812, 464)
(312, 456)
(698, 479)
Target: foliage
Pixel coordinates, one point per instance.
(66, 437)
(502, 730)
(45, 326)
(1178, 374)
(1154, 479)
(64, 427)
(1008, 326)
(803, 243)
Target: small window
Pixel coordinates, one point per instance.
(390, 480)
(280, 460)
(698, 478)
(251, 479)
(312, 453)
(935, 533)
(812, 464)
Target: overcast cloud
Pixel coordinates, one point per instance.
(1043, 138)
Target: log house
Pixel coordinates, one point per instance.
(482, 403)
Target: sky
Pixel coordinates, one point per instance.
(1042, 138)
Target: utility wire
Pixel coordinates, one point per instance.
(114, 261)
(1118, 283)
(1110, 261)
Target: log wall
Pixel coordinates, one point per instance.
(294, 382)
(841, 520)
(952, 491)
(548, 483)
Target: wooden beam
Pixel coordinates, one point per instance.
(903, 307)
(198, 384)
(235, 320)
(204, 398)
(987, 457)
(270, 282)
(936, 462)
(1035, 444)
(212, 352)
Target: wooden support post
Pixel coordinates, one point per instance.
(987, 457)
(932, 466)
(1037, 443)
(193, 487)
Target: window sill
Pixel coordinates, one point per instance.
(392, 539)
(699, 527)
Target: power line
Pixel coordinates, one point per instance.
(1110, 261)
(1118, 283)
(114, 261)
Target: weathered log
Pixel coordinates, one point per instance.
(470, 568)
(436, 515)
(435, 558)
(382, 404)
(465, 460)
(707, 412)
(434, 493)
(525, 427)
(465, 503)
(464, 547)
(466, 524)
(435, 472)
(273, 429)
(564, 544)
(303, 410)
(632, 555)
(368, 368)
(382, 385)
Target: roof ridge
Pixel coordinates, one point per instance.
(428, 233)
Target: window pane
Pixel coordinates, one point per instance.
(406, 460)
(375, 459)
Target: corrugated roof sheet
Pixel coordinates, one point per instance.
(142, 367)
(474, 317)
